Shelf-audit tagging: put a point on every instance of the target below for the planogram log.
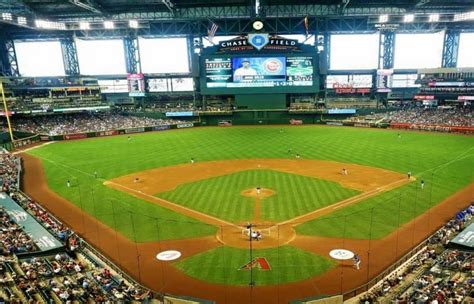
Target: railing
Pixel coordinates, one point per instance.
(367, 286)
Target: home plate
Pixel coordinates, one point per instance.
(169, 255)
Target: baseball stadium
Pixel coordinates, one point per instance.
(247, 151)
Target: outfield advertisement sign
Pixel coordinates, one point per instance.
(134, 130)
(161, 128)
(334, 123)
(341, 111)
(40, 236)
(75, 136)
(179, 114)
(107, 133)
(185, 125)
(296, 122)
(115, 132)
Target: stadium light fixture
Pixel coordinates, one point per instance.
(109, 25)
(22, 20)
(133, 23)
(409, 18)
(464, 16)
(434, 18)
(7, 16)
(84, 26)
(50, 25)
(383, 18)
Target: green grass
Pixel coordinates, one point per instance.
(222, 265)
(444, 161)
(294, 195)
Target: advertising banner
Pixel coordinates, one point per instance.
(179, 114)
(224, 123)
(341, 111)
(384, 80)
(134, 130)
(75, 136)
(136, 85)
(161, 128)
(106, 133)
(296, 122)
(334, 123)
(185, 125)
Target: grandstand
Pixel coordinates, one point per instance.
(246, 151)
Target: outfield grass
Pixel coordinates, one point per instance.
(294, 195)
(444, 161)
(222, 265)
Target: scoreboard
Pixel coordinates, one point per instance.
(242, 74)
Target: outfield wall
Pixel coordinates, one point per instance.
(268, 117)
(116, 132)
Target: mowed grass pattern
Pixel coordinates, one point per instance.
(222, 265)
(294, 195)
(444, 161)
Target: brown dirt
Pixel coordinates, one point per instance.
(371, 181)
(163, 179)
(139, 259)
(263, 193)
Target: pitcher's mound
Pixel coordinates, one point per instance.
(255, 193)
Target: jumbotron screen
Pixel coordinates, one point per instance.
(259, 72)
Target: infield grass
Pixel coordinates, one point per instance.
(222, 265)
(294, 195)
(444, 161)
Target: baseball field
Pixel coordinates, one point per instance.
(195, 190)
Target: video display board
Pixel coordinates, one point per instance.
(235, 73)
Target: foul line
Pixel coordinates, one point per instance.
(174, 207)
(32, 148)
(316, 213)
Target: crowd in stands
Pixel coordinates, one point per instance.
(9, 172)
(434, 116)
(177, 107)
(74, 275)
(436, 275)
(13, 240)
(84, 122)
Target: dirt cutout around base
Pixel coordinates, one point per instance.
(258, 194)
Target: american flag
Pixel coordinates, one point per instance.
(211, 32)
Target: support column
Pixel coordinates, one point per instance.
(450, 49)
(386, 50)
(71, 62)
(8, 61)
(132, 55)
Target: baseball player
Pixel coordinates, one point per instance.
(357, 261)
